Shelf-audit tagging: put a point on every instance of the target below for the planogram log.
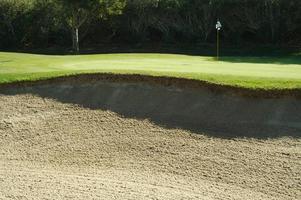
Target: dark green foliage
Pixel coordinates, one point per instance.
(46, 23)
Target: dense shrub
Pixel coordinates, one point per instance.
(45, 23)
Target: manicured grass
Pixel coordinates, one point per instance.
(265, 73)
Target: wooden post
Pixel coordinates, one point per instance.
(218, 27)
(217, 45)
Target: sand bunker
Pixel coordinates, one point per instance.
(123, 140)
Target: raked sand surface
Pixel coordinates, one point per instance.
(93, 144)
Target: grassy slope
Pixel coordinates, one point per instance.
(263, 73)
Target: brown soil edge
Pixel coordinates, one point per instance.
(161, 81)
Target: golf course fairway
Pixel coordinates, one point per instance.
(247, 72)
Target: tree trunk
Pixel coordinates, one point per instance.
(75, 40)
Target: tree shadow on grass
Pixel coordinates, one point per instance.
(200, 111)
(290, 60)
(246, 52)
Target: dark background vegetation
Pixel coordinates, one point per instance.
(153, 24)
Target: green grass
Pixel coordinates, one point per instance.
(264, 73)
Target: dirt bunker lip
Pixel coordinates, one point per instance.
(226, 112)
(162, 81)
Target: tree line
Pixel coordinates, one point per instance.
(47, 23)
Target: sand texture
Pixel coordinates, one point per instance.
(115, 140)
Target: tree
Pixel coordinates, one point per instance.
(78, 12)
(12, 19)
(47, 17)
(155, 21)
